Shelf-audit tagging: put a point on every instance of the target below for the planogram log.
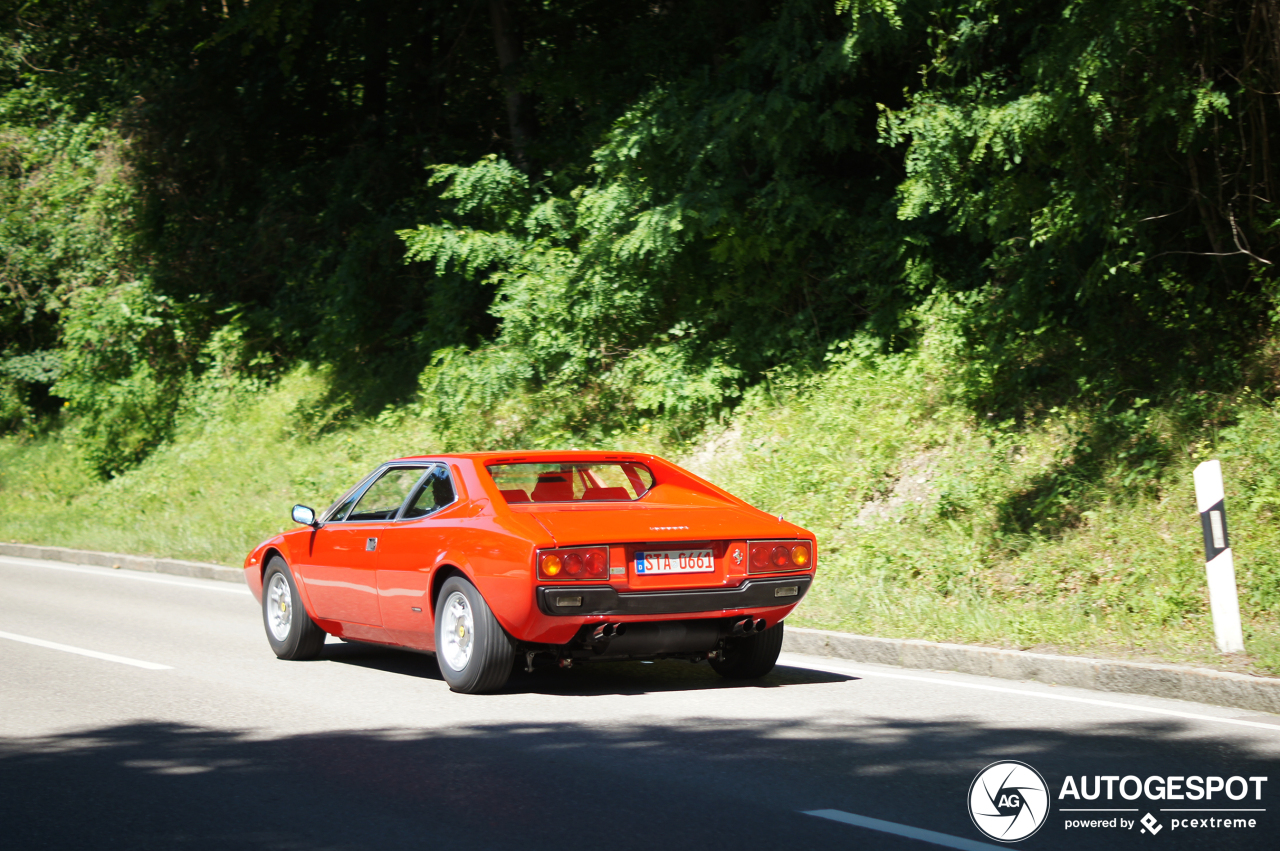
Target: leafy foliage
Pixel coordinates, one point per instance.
(1123, 222)
(69, 238)
(632, 212)
(1069, 188)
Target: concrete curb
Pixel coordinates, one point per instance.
(1221, 688)
(175, 567)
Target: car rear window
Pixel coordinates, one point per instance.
(571, 482)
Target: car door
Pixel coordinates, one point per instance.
(409, 551)
(341, 575)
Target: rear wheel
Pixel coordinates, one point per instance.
(750, 657)
(290, 631)
(474, 651)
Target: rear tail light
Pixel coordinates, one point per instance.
(771, 556)
(574, 563)
(760, 557)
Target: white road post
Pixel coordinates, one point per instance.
(1223, 602)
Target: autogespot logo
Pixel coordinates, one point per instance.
(1008, 800)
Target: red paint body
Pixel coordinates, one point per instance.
(370, 595)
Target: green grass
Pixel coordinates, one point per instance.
(932, 523)
(912, 502)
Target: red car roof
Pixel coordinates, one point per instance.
(538, 455)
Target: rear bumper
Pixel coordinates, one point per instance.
(557, 600)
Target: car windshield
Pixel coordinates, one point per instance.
(572, 481)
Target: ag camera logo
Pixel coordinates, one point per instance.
(1008, 801)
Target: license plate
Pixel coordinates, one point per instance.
(675, 561)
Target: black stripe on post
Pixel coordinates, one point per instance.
(1214, 523)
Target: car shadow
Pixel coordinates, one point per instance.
(584, 679)
(378, 657)
(664, 675)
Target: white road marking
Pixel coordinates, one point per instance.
(224, 587)
(92, 654)
(793, 661)
(944, 839)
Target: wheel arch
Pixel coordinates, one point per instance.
(267, 555)
(271, 552)
(438, 579)
(487, 585)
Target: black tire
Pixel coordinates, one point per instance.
(291, 632)
(750, 657)
(479, 656)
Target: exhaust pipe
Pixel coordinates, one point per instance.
(746, 626)
(605, 631)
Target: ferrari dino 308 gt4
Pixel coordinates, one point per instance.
(495, 559)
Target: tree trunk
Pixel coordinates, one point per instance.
(376, 66)
(507, 41)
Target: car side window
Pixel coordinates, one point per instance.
(435, 492)
(384, 497)
(340, 512)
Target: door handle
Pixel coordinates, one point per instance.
(370, 544)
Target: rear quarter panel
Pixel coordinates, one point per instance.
(495, 551)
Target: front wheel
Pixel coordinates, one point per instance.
(474, 651)
(750, 657)
(291, 632)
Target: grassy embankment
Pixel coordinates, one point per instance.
(931, 522)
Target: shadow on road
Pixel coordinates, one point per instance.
(697, 784)
(584, 679)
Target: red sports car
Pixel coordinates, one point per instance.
(494, 559)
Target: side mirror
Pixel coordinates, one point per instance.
(305, 516)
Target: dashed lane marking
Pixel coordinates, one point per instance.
(946, 840)
(204, 585)
(80, 651)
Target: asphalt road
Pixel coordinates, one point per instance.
(219, 745)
